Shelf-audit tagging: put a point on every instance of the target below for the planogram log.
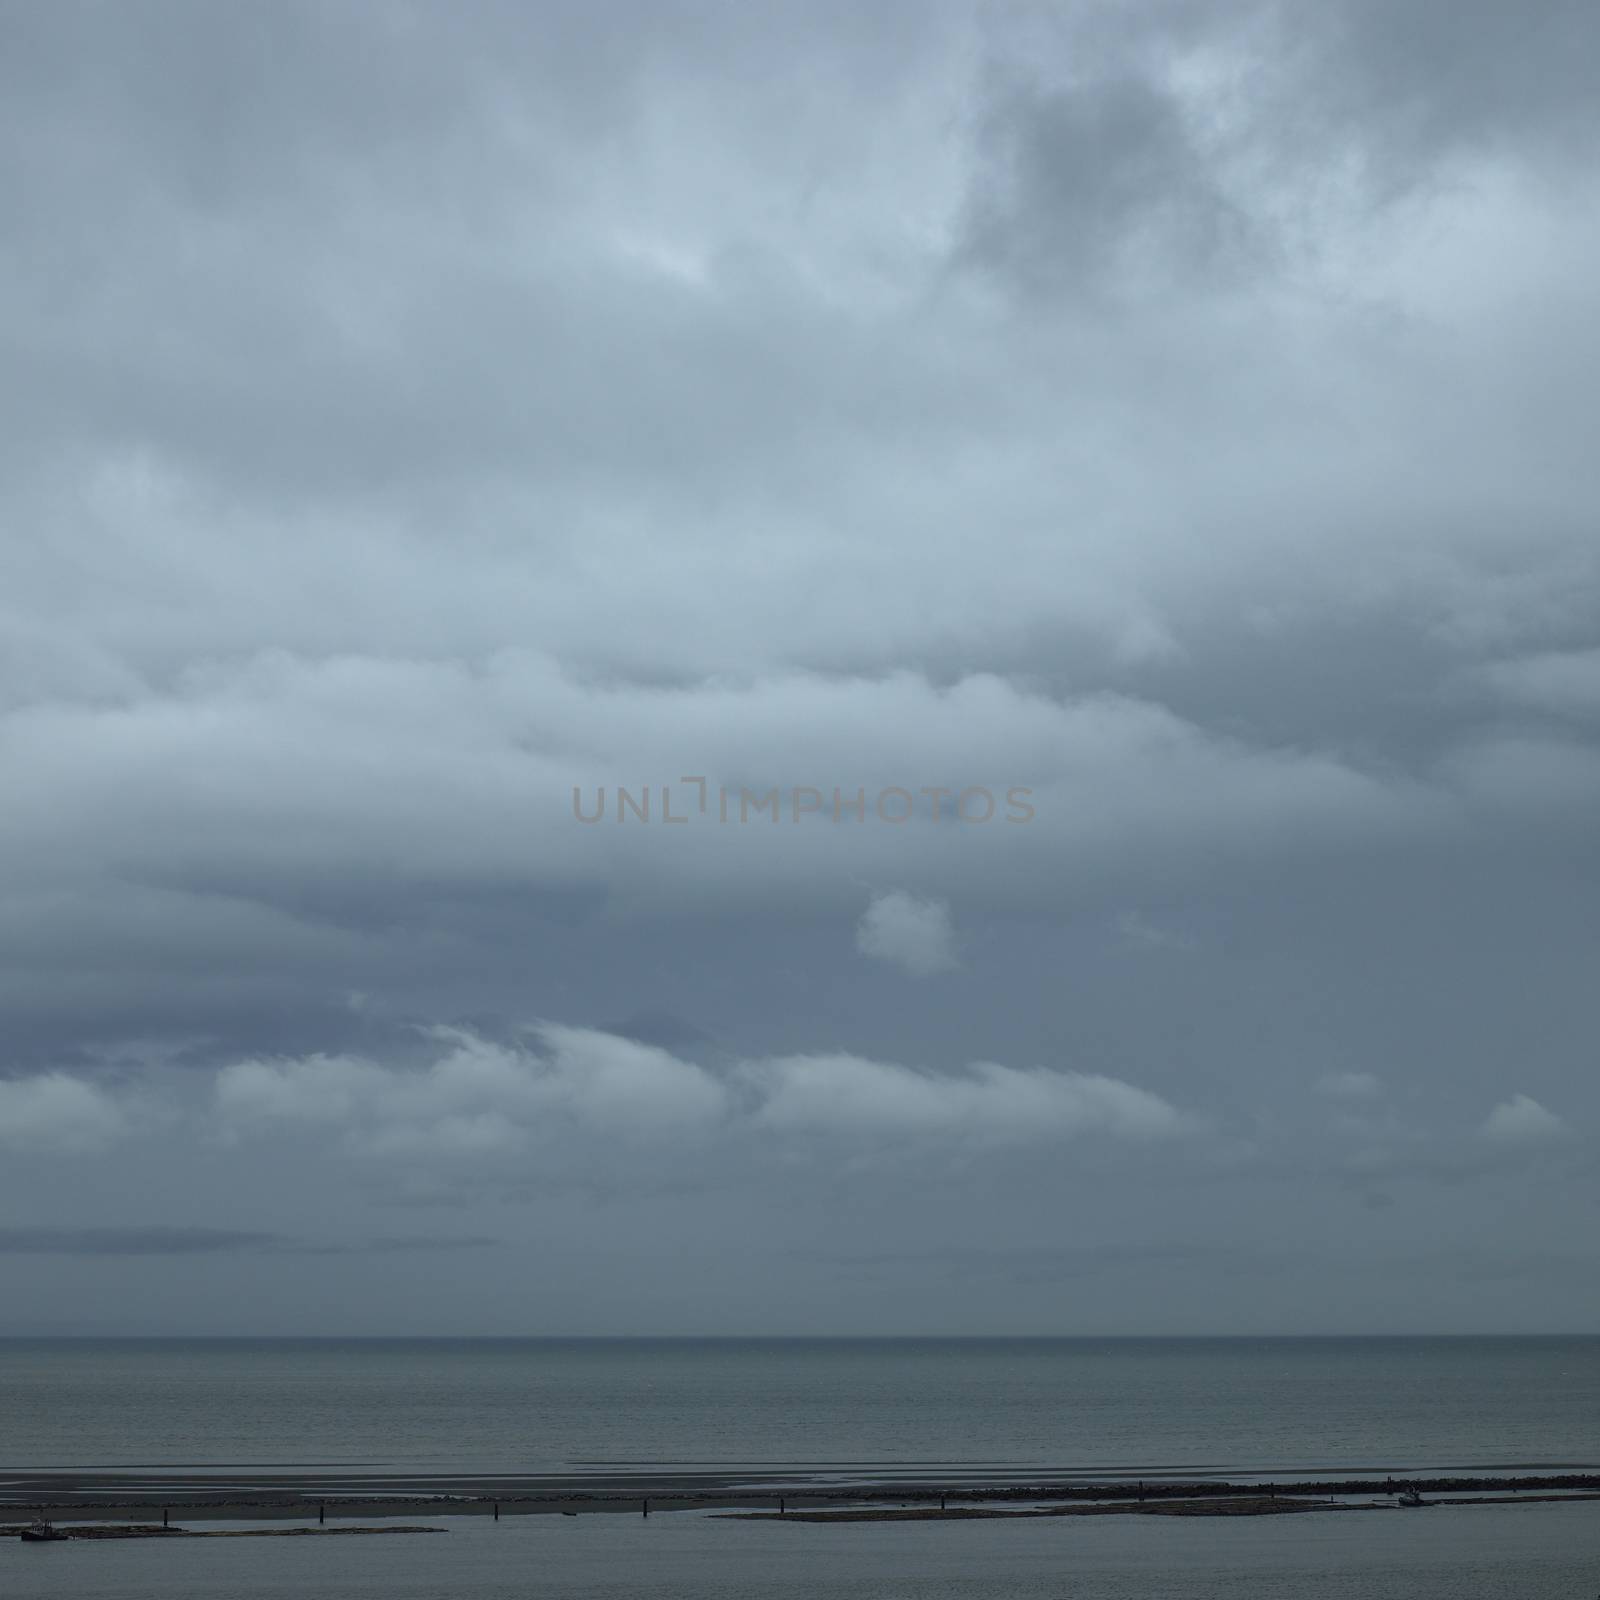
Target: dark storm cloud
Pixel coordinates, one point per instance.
(1097, 183)
(414, 415)
(1182, 148)
(1429, 77)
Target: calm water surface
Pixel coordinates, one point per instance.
(1496, 1553)
(853, 1409)
(849, 1406)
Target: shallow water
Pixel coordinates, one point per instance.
(857, 1408)
(1533, 1552)
(849, 1409)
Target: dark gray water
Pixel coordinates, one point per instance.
(868, 1406)
(1524, 1552)
(810, 1407)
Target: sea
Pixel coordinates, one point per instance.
(809, 1411)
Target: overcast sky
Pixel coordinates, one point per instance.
(1167, 425)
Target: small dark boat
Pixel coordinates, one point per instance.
(43, 1533)
(1411, 1497)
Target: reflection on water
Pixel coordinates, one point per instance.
(850, 1408)
(1534, 1552)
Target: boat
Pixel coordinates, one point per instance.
(1411, 1497)
(43, 1532)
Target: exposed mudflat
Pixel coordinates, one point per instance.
(156, 1530)
(139, 1499)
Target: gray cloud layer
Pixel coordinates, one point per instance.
(1180, 412)
(168, 1241)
